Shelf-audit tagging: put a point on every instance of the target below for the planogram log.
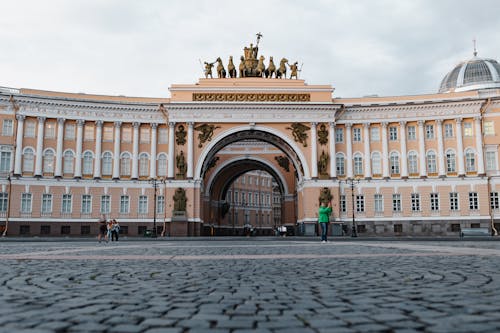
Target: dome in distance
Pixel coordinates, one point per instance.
(473, 74)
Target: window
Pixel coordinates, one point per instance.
(162, 135)
(415, 202)
(126, 134)
(48, 161)
(125, 164)
(412, 133)
(375, 133)
(107, 133)
(448, 131)
(393, 133)
(451, 161)
(360, 203)
(85, 230)
(473, 201)
(68, 161)
(394, 163)
(343, 206)
(467, 129)
(26, 203)
(69, 132)
(29, 129)
(45, 229)
(65, 229)
(50, 130)
(162, 165)
(160, 204)
(105, 204)
(88, 162)
(107, 163)
(356, 134)
(5, 159)
(376, 163)
(143, 204)
(379, 203)
(339, 135)
(470, 161)
(412, 162)
(454, 201)
(249, 200)
(46, 203)
(396, 202)
(86, 204)
(236, 197)
(88, 132)
(358, 164)
(8, 127)
(398, 228)
(429, 132)
(124, 204)
(144, 164)
(431, 162)
(491, 160)
(28, 159)
(243, 179)
(145, 138)
(250, 181)
(256, 198)
(489, 129)
(340, 163)
(4, 200)
(494, 202)
(66, 204)
(434, 202)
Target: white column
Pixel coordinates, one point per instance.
(190, 150)
(314, 151)
(367, 152)
(385, 151)
(19, 145)
(421, 148)
(59, 147)
(479, 145)
(98, 149)
(348, 141)
(404, 154)
(79, 148)
(116, 153)
(333, 167)
(39, 146)
(460, 148)
(440, 146)
(171, 150)
(135, 151)
(152, 166)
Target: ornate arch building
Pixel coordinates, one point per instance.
(404, 165)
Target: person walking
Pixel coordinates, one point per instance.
(115, 230)
(102, 228)
(324, 219)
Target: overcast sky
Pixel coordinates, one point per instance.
(140, 48)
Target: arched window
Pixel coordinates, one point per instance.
(162, 165)
(125, 164)
(144, 164)
(88, 159)
(470, 160)
(358, 164)
(69, 159)
(28, 159)
(48, 161)
(431, 162)
(451, 161)
(394, 163)
(107, 164)
(376, 163)
(5, 158)
(412, 162)
(340, 163)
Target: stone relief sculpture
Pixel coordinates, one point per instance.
(180, 200)
(206, 133)
(322, 135)
(283, 162)
(181, 165)
(325, 195)
(180, 135)
(299, 133)
(323, 163)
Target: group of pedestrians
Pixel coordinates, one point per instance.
(108, 230)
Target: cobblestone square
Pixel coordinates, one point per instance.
(238, 285)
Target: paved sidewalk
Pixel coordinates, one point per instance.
(263, 285)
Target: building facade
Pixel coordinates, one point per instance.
(404, 165)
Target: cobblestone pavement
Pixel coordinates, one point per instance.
(264, 285)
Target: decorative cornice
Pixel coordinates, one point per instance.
(252, 97)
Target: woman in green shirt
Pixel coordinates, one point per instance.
(324, 218)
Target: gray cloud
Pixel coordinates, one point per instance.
(141, 48)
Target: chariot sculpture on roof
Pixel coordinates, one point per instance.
(252, 65)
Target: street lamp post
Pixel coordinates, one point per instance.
(154, 182)
(352, 182)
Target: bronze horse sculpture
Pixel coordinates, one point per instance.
(271, 69)
(260, 67)
(231, 69)
(221, 72)
(281, 72)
